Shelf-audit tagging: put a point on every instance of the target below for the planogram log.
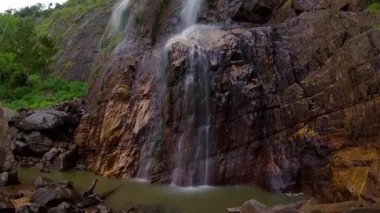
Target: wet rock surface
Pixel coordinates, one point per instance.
(292, 92)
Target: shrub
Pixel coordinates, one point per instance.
(42, 92)
(373, 7)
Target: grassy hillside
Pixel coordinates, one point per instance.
(32, 40)
(64, 18)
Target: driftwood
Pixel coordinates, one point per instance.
(91, 190)
(90, 198)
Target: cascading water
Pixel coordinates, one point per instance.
(117, 16)
(195, 108)
(195, 104)
(196, 119)
(189, 13)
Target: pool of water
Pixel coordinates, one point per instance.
(185, 199)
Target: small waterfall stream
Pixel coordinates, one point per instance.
(189, 13)
(196, 110)
(117, 15)
(195, 104)
(195, 107)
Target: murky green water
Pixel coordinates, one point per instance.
(188, 200)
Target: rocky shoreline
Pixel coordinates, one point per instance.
(46, 195)
(310, 206)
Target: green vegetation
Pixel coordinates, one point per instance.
(112, 40)
(373, 7)
(62, 18)
(42, 92)
(26, 54)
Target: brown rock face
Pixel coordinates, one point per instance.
(282, 105)
(6, 156)
(7, 173)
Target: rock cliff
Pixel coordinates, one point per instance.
(281, 93)
(7, 173)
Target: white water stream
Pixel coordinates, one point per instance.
(117, 15)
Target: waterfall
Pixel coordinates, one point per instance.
(195, 104)
(189, 13)
(117, 15)
(193, 168)
(196, 110)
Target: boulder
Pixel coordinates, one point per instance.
(253, 206)
(8, 178)
(51, 154)
(21, 148)
(51, 196)
(31, 208)
(62, 208)
(6, 206)
(47, 197)
(80, 167)
(44, 120)
(38, 143)
(46, 182)
(9, 114)
(65, 160)
(103, 209)
(42, 182)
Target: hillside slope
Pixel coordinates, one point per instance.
(77, 29)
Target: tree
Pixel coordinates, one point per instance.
(22, 51)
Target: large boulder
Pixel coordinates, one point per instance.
(65, 160)
(44, 120)
(47, 197)
(52, 196)
(38, 143)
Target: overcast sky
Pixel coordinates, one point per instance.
(8, 4)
